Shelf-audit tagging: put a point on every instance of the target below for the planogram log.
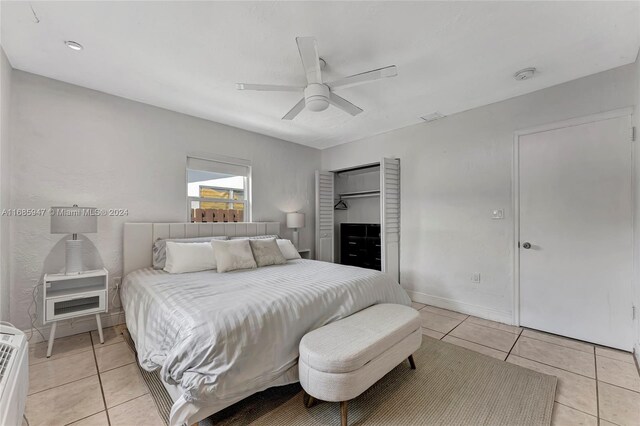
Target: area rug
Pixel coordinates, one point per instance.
(451, 386)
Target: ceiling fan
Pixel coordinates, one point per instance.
(318, 95)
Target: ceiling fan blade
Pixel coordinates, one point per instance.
(295, 110)
(308, 48)
(268, 87)
(344, 104)
(365, 77)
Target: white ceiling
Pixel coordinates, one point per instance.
(187, 56)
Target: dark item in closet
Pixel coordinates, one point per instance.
(360, 245)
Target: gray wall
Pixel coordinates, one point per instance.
(5, 175)
(636, 222)
(455, 171)
(75, 145)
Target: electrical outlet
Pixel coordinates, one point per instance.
(475, 277)
(117, 281)
(497, 214)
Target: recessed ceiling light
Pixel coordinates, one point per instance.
(73, 45)
(524, 74)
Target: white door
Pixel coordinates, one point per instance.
(324, 216)
(390, 216)
(576, 240)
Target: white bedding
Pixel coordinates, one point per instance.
(221, 336)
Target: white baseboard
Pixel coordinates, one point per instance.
(76, 326)
(465, 308)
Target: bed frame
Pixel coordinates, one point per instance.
(137, 253)
(139, 237)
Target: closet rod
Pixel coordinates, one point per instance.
(360, 194)
(355, 169)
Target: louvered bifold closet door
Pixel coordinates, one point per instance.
(324, 216)
(390, 216)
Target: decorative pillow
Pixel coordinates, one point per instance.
(233, 254)
(189, 257)
(160, 248)
(257, 237)
(266, 252)
(288, 249)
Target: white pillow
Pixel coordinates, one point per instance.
(288, 249)
(233, 254)
(189, 257)
(160, 248)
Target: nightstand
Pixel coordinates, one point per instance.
(304, 253)
(74, 295)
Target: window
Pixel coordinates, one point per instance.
(218, 191)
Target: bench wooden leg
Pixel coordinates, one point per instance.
(343, 413)
(308, 400)
(412, 363)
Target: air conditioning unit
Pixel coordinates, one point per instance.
(14, 375)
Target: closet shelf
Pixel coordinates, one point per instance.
(360, 194)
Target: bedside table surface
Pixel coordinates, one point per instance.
(85, 274)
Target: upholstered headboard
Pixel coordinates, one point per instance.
(139, 237)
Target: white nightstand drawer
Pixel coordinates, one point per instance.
(62, 307)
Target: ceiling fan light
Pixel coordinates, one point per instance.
(317, 103)
(316, 97)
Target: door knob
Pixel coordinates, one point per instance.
(526, 245)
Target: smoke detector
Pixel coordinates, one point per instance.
(525, 74)
(432, 117)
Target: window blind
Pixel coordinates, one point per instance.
(214, 166)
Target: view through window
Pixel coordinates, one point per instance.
(217, 191)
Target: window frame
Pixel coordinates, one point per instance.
(247, 213)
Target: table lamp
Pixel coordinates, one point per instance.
(73, 220)
(295, 221)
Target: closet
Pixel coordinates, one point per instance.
(358, 216)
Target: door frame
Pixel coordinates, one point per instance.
(515, 178)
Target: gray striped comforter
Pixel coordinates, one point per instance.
(224, 335)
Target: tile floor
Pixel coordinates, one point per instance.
(86, 383)
(595, 385)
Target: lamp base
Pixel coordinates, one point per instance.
(295, 238)
(73, 253)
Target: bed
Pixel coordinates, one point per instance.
(220, 337)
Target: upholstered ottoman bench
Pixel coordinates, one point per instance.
(343, 359)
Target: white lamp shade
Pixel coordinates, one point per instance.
(74, 220)
(295, 220)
